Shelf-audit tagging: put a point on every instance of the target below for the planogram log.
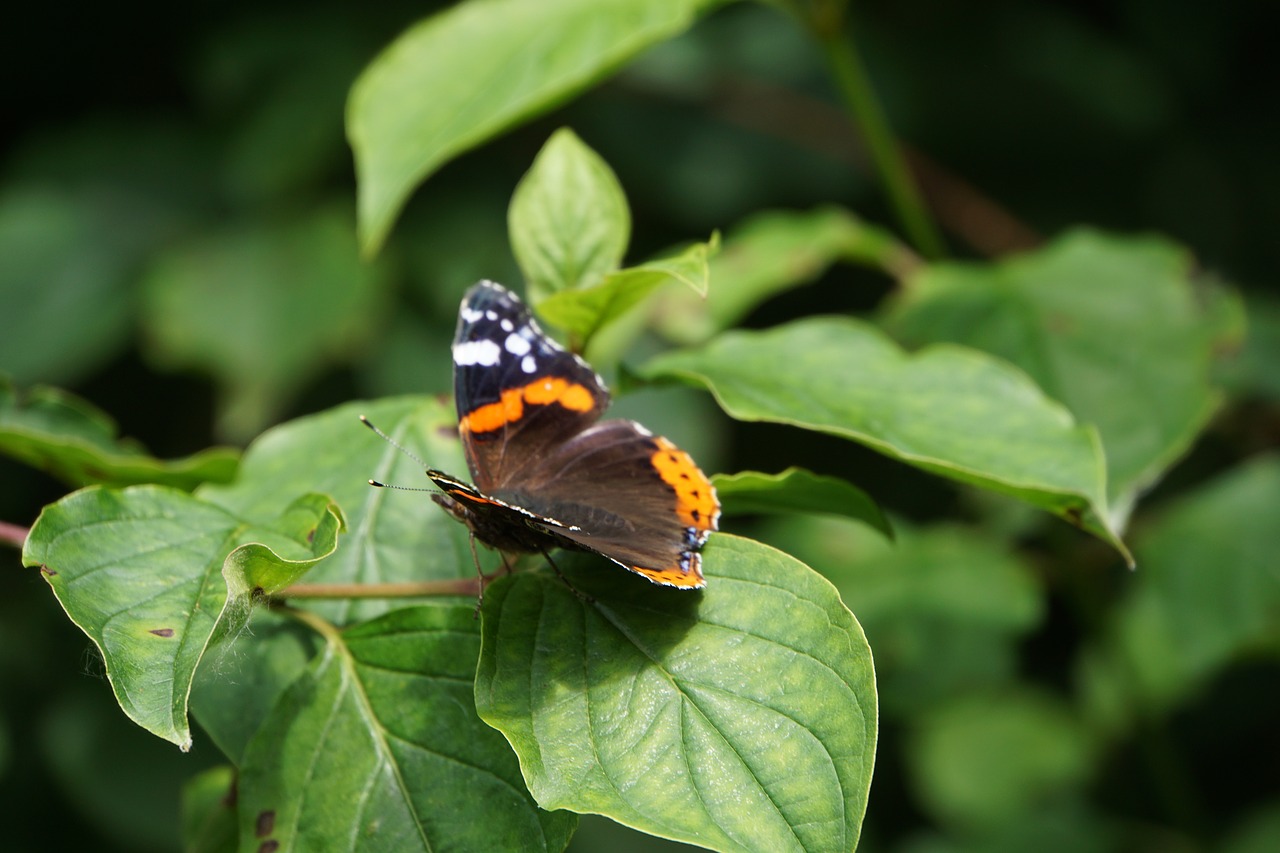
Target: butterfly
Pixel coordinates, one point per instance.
(546, 471)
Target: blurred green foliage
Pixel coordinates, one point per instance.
(178, 247)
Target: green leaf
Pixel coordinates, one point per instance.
(1111, 327)
(394, 535)
(144, 572)
(466, 74)
(73, 440)
(742, 717)
(209, 822)
(1207, 592)
(946, 410)
(378, 742)
(569, 221)
(263, 309)
(798, 490)
(772, 252)
(1023, 746)
(585, 312)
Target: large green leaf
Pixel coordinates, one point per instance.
(394, 536)
(771, 252)
(378, 743)
(263, 309)
(466, 74)
(72, 439)
(948, 410)
(145, 572)
(1111, 327)
(569, 221)
(742, 717)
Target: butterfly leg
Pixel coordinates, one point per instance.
(482, 580)
(582, 596)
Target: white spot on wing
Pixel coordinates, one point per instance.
(517, 345)
(528, 364)
(491, 315)
(482, 352)
(507, 325)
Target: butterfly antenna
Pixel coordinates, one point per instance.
(404, 488)
(397, 445)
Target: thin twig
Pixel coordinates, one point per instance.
(12, 534)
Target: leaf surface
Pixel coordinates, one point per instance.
(952, 411)
(141, 572)
(378, 744)
(741, 717)
(1111, 327)
(466, 74)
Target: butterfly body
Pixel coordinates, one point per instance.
(547, 472)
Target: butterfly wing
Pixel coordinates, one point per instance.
(518, 392)
(627, 494)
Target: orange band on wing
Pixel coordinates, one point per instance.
(696, 500)
(543, 392)
(690, 578)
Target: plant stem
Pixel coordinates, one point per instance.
(851, 79)
(12, 534)
(458, 586)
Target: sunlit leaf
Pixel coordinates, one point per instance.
(141, 572)
(740, 717)
(569, 221)
(947, 410)
(464, 75)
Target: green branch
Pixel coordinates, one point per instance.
(826, 22)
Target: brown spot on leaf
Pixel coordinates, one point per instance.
(269, 846)
(265, 823)
(162, 632)
(47, 572)
(311, 535)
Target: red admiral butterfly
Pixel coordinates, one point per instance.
(547, 471)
